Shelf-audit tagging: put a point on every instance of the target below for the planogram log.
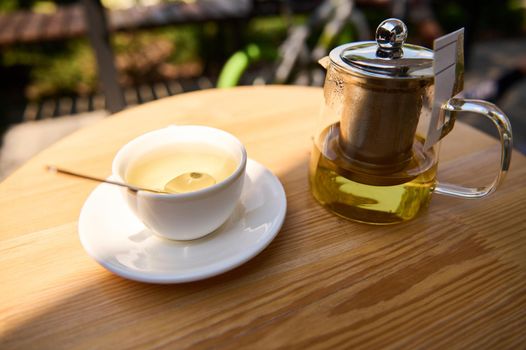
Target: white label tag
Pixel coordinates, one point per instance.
(448, 68)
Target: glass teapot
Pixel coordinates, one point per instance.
(369, 161)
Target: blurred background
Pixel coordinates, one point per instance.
(65, 64)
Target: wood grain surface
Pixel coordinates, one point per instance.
(453, 278)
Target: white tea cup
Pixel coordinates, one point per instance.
(190, 215)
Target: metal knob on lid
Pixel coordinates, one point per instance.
(390, 37)
(389, 57)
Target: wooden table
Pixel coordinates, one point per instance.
(455, 277)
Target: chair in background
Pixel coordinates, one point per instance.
(297, 62)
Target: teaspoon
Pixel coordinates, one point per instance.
(186, 182)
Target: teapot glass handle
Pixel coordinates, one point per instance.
(503, 125)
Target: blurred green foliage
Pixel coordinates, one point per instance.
(184, 38)
(55, 69)
(69, 67)
(8, 5)
(71, 70)
(267, 33)
(13, 5)
(503, 16)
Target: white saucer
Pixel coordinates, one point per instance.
(116, 239)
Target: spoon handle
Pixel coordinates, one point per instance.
(55, 169)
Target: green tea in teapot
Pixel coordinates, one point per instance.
(349, 192)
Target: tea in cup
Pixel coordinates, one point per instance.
(198, 172)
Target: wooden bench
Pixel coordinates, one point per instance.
(70, 21)
(88, 17)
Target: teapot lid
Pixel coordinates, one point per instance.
(388, 57)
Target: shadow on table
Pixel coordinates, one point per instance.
(110, 307)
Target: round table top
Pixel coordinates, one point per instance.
(452, 278)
